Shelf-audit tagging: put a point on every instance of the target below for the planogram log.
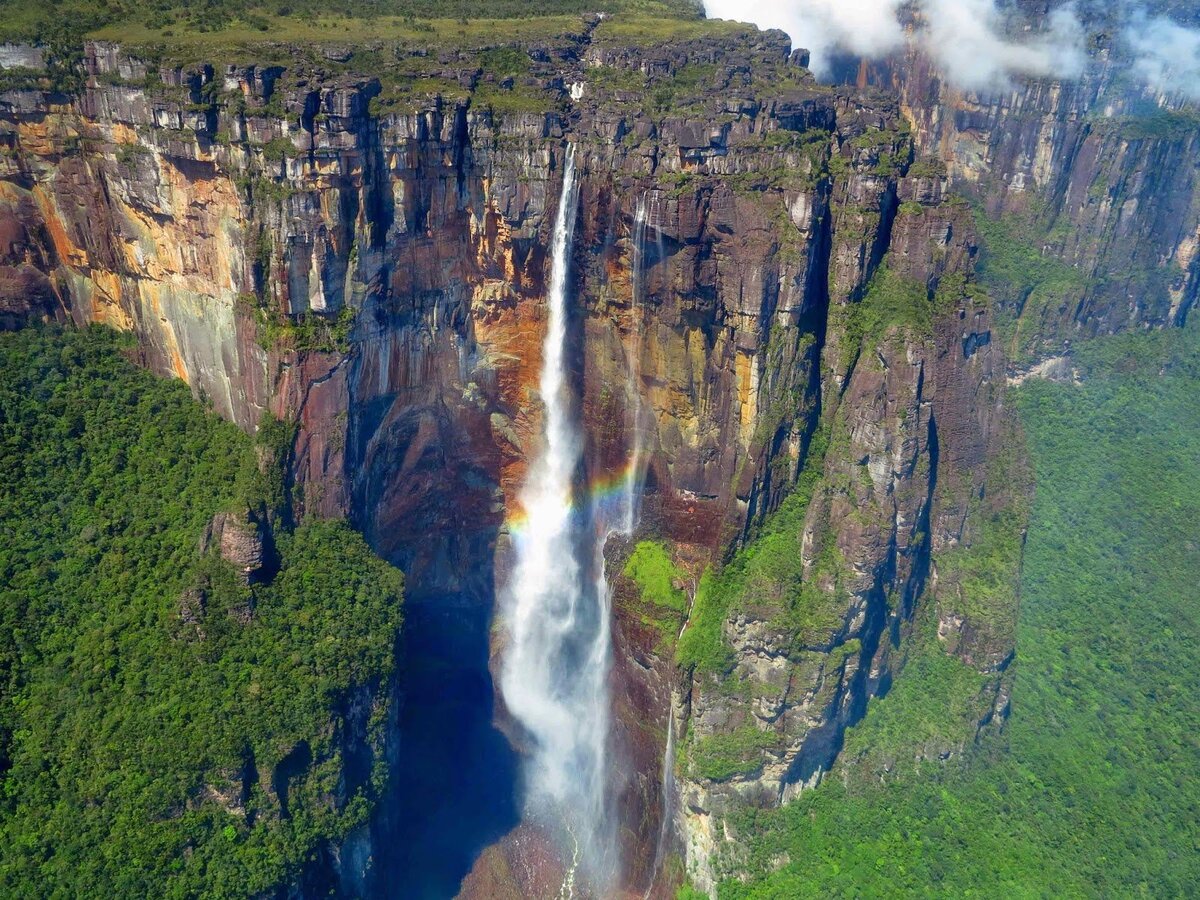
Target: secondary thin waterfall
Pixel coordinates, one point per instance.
(555, 671)
(666, 826)
(633, 357)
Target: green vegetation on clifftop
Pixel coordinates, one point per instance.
(177, 22)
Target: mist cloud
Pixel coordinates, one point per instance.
(1166, 54)
(971, 42)
(866, 27)
(966, 38)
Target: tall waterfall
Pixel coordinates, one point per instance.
(554, 675)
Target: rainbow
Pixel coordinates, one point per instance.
(606, 495)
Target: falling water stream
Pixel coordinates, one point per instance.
(645, 217)
(557, 604)
(667, 821)
(637, 277)
(555, 671)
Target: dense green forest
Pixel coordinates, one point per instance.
(380, 35)
(164, 726)
(62, 21)
(1091, 791)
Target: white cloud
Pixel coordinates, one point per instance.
(867, 27)
(1166, 54)
(970, 42)
(966, 37)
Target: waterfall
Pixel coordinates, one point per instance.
(554, 675)
(633, 364)
(668, 776)
(655, 222)
(666, 828)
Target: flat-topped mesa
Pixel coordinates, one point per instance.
(772, 278)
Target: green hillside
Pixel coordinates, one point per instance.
(165, 729)
(1093, 792)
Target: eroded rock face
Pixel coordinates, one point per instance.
(288, 243)
(914, 414)
(241, 541)
(1098, 173)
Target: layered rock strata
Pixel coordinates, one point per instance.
(306, 239)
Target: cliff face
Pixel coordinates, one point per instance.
(1096, 174)
(770, 276)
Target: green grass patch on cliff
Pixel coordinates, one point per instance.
(309, 331)
(1091, 791)
(891, 303)
(686, 90)
(152, 746)
(702, 645)
(719, 757)
(651, 567)
(515, 100)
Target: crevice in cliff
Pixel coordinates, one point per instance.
(1190, 295)
(923, 563)
(769, 489)
(295, 763)
(816, 315)
(378, 203)
(889, 205)
(461, 144)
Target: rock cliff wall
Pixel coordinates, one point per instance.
(1093, 179)
(771, 278)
